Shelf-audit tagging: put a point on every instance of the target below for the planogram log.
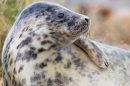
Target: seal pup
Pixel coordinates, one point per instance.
(37, 50)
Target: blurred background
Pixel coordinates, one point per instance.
(110, 19)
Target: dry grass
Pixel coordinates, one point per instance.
(9, 10)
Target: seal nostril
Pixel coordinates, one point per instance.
(87, 20)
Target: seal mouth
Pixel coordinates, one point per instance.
(76, 31)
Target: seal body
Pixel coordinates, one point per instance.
(38, 51)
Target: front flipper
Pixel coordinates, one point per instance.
(93, 51)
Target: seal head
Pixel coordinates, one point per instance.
(54, 20)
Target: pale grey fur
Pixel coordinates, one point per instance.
(38, 51)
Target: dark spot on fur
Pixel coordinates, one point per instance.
(32, 48)
(11, 62)
(59, 79)
(52, 32)
(25, 42)
(42, 65)
(5, 60)
(6, 66)
(41, 50)
(29, 55)
(70, 79)
(43, 74)
(79, 64)
(50, 82)
(18, 57)
(39, 38)
(6, 83)
(58, 75)
(36, 16)
(14, 71)
(45, 35)
(39, 83)
(21, 68)
(53, 46)
(20, 35)
(40, 25)
(30, 29)
(58, 82)
(46, 42)
(71, 23)
(95, 73)
(33, 33)
(9, 75)
(49, 8)
(42, 12)
(35, 78)
(89, 76)
(48, 18)
(76, 61)
(25, 29)
(13, 80)
(9, 56)
(68, 65)
(47, 60)
(58, 58)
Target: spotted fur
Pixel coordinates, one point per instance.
(38, 51)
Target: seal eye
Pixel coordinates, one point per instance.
(61, 15)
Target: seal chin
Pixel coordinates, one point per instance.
(66, 33)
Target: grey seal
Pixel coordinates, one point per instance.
(38, 51)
